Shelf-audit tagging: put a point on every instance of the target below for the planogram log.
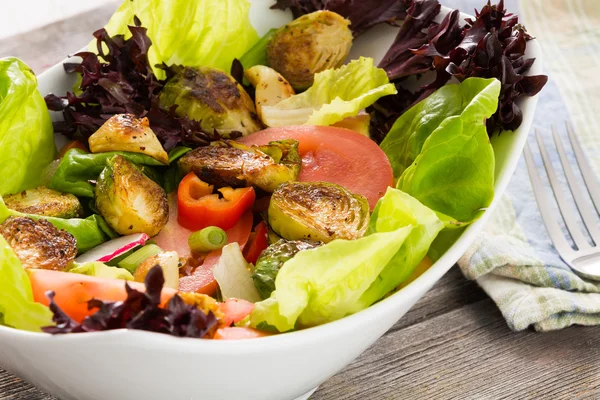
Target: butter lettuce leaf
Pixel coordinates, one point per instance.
(440, 150)
(334, 95)
(17, 307)
(343, 276)
(454, 173)
(89, 232)
(26, 134)
(473, 100)
(192, 33)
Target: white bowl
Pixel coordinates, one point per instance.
(140, 365)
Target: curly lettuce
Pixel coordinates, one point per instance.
(26, 135)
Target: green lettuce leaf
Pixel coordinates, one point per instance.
(343, 277)
(335, 94)
(474, 100)
(101, 270)
(77, 168)
(441, 153)
(89, 232)
(397, 209)
(17, 308)
(454, 173)
(192, 33)
(26, 135)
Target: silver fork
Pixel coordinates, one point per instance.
(584, 259)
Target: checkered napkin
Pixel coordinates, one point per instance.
(513, 259)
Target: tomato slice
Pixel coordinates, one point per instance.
(236, 333)
(199, 208)
(258, 242)
(336, 155)
(202, 279)
(73, 291)
(174, 237)
(235, 310)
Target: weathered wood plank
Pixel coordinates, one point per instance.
(470, 353)
(46, 46)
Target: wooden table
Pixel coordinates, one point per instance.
(453, 344)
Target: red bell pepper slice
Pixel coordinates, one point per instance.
(198, 207)
(257, 244)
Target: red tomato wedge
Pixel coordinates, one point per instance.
(235, 310)
(73, 291)
(236, 333)
(202, 279)
(335, 155)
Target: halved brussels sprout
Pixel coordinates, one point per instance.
(272, 259)
(271, 87)
(312, 43)
(39, 244)
(213, 98)
(317, 211)
(44, 201)
(125, 132)
(229, 163)
(129, 201)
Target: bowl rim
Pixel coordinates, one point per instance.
(369, 315)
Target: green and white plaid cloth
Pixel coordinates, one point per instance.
(513, 259)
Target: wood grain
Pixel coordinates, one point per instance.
(453, 344)
(46, 46)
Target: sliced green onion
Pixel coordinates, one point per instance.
(207, 239)
(131, 262)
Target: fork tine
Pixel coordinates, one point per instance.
(556, 235)
(586, 211)
(590, 180)
(563, 205)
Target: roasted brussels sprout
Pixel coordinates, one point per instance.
(168, 261)
(310, 44)
(271, 87)
(39, 244)
(270, 261)
(317, 211)
(229, 163)
(129, 201)
(213, 98)
(46, 202)
(125, 132)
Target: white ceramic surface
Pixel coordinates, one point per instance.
(141, 365)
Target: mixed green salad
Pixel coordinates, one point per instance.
(220, 185)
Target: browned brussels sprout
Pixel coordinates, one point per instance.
(229, 163)
(212, 97)
(39, 244)
(309, 44)
(129, 201)
(46, 202)
(317, 211)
